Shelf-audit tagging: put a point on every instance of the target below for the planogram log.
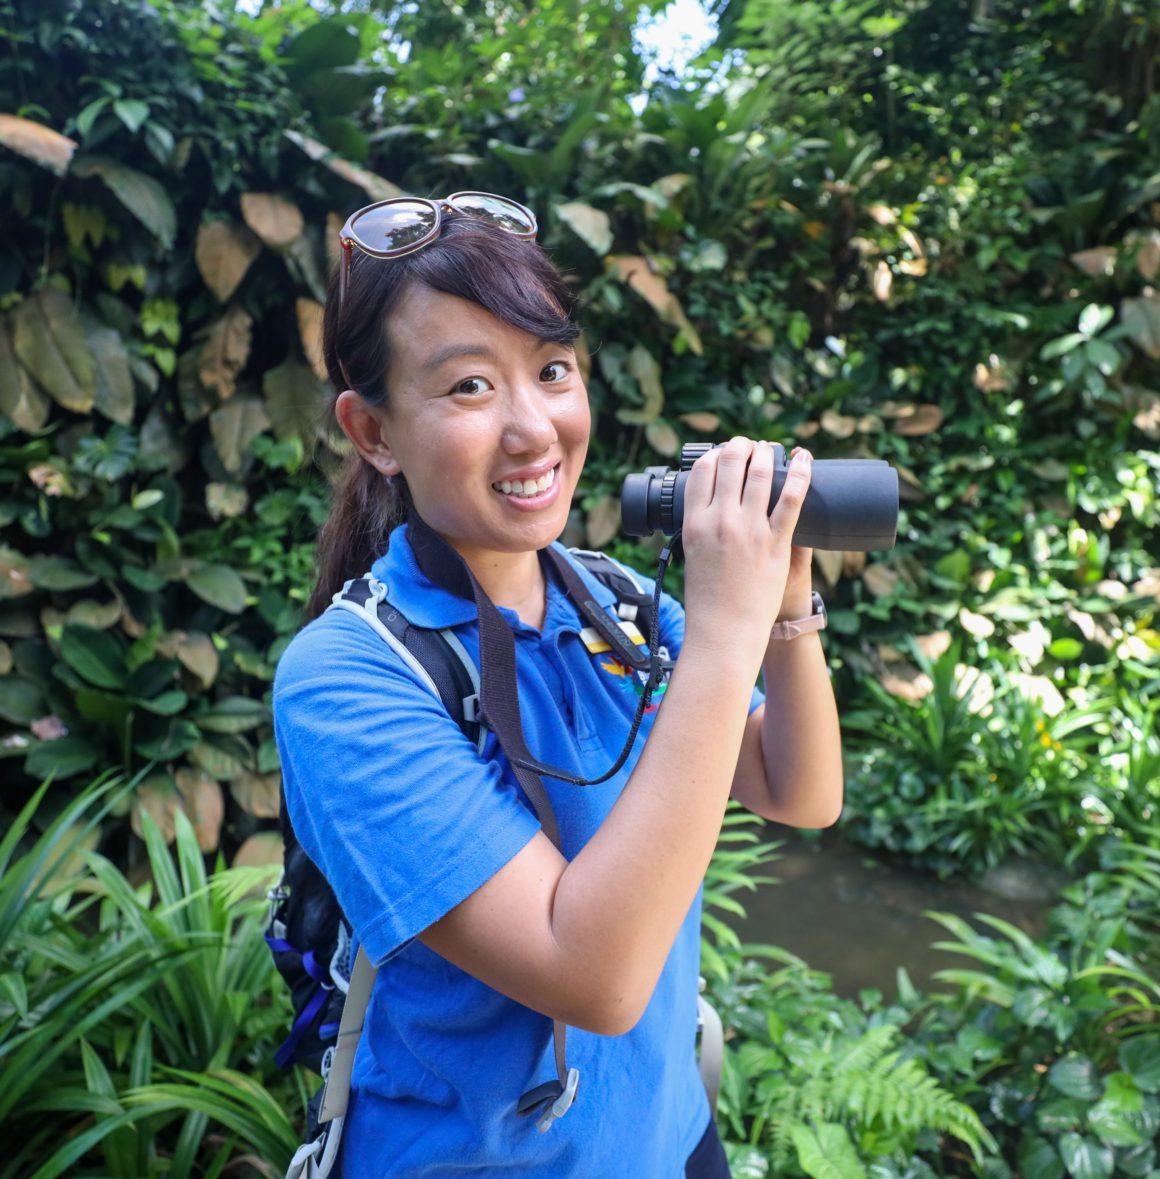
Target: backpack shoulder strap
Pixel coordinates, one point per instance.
(633, 601)
(437, 657)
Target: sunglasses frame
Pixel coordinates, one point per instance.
(348, 237)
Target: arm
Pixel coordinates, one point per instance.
(591, 937)
(585, 941)
(790, 766)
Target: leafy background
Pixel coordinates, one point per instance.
(923, 232)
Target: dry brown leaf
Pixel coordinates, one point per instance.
(915, 267)
(882, 281)
(309, 313)
(662, 438)
(870, 423)
(1146, 243)
(197, 653)
(374, 186)
(603, 522)
(934, 644)
(258, 794)
(975, 624)
(883, 214)
(38, 143)
(853, 562)
(225, 352)
(634, 271)
(277, 221)
(880, 579)
(224, 252)
(922, 419)
(263, 848)
(701, 420)
(838, 424)
(157, 796)
(974, 686)
(1097, 262)
(334, 224)
(806, 429)
(203, 803)
(907, 682)
(829, 561)
(912, 241)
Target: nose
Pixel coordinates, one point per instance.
(530, 427)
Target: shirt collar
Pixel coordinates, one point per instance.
(431, 606)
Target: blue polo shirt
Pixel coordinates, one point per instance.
(406, 819)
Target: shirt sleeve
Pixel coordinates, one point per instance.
(384, 791)
(672, 626)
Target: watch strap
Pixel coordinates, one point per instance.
(790, 628)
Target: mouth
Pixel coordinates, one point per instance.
(528, 495)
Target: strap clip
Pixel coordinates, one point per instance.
(562, 1104)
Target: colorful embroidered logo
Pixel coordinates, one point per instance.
(596, 645)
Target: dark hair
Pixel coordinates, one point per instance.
(511, 277)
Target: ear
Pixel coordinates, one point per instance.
(365, 426)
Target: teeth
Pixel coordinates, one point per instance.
(526, 487)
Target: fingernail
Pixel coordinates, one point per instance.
(803, 456)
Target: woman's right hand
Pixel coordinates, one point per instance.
(737, 552)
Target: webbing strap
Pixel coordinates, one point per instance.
(499, 696)
(337, 1094)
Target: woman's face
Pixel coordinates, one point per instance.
(474, 401)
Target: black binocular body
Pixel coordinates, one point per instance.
(850, 504)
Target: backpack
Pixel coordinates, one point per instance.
(312, 942)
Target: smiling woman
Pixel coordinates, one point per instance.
(497, 923)
(418, 412)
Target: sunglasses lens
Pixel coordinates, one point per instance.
(393, 226)
(500, 211)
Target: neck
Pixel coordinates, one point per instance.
(513, 580)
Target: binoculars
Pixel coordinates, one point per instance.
(850, 503)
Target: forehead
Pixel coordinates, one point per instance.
(424, 320)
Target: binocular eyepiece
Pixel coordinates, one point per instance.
(850, 503)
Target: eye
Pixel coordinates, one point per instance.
(460, 388)
(559, 364)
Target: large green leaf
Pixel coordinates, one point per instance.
(96, 655)
(21, 700)
(234, 714)
(826, 1152)
(233, 425)
(220, 586)
(59, 573)
(143, 196)
(20, 398)
(50, 342)
(114, 381)
(295, 400)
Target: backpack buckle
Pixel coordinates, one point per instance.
(562, 1104)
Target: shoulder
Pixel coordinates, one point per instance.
(338, 649)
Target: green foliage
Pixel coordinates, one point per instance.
(134, 1017)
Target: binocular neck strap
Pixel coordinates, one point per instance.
(499, 695)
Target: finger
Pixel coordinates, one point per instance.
(784, 518)
(700, 483)
(758, 480)
(731, 471)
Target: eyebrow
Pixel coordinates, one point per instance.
(455, 351)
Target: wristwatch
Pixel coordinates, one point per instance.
(791, 628)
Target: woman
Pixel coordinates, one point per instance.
(457, 378)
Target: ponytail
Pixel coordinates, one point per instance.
(365, 509)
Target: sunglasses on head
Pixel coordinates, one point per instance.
(402, 225)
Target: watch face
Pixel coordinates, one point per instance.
(819, 605)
